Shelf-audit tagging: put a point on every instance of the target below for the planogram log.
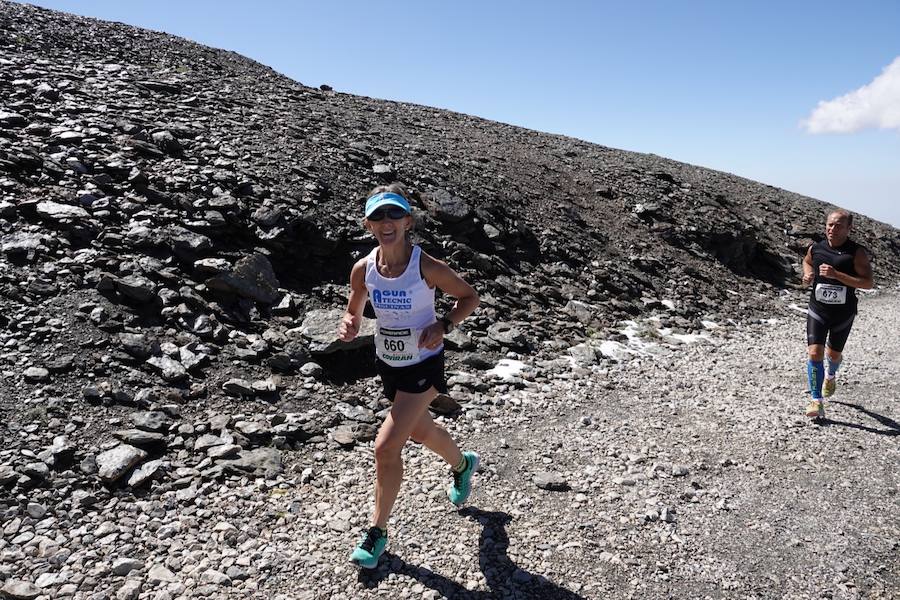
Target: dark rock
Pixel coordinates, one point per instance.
(145, 440)
(138, 345)
(444, 404)
(263, 462)
(167, 142)
(136, 288)
(252, 278)
(507, 334)
(154, 421)
(238, 387)
(550, 481)
(170, 370)
(9, 120)
(444, 206)
(61, 364)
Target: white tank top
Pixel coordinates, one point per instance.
(404, 306)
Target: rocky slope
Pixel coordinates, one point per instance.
(176, 229)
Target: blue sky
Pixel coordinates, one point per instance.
(802, 95)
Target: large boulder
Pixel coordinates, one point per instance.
(446, 207)
(252, 277)
(54, 211)
(320, 328)
(116, 462)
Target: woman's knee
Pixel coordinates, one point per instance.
(816, 352)
(388, 449)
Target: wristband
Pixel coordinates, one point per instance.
(448, 324)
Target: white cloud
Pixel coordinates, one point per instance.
(874, 105)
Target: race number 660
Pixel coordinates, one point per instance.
(394, 345)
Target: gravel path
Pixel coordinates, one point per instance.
(688, 472)
(688, 475)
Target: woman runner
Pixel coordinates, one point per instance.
(399, 280)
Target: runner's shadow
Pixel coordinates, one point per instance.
(893, 428)
(504, 579)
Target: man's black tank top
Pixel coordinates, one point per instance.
(826, 291)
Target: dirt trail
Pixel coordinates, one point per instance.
(763, 503)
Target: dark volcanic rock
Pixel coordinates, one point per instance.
(252, 277)
(447, 207)
(243, 185)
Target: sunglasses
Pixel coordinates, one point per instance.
(394, 213)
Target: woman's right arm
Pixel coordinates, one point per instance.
(348, 328)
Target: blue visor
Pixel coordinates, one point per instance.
(385, 199)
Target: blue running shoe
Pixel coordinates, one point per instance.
(462, 481)
(370, 549)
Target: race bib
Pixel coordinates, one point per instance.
(831, 294)
(397, 346)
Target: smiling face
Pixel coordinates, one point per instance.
(389, 231)
(837, 228)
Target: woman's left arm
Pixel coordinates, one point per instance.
(438, 274)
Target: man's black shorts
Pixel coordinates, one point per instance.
(834, 328)
(413, 379)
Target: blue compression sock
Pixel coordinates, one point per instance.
(833, 366)
(815, 373)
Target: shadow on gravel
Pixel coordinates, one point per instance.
(893, 427)
(504, 578)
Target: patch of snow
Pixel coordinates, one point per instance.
(507, 368)
(615, 350)
(688, 338)
(797, 307)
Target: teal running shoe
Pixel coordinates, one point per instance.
(462, 481)
(370, 549)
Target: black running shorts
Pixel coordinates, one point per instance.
(413, 379)
(836, 330)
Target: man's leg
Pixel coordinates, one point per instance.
(816, 332)
(815, 370)
(837, 338)
(834, 362)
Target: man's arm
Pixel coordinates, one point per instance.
(863, 279)
(808, 274)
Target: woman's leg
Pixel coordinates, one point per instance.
(395, 431)
(437, 439)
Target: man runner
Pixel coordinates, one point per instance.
(835, 266)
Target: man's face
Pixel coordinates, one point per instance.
(837, 229)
